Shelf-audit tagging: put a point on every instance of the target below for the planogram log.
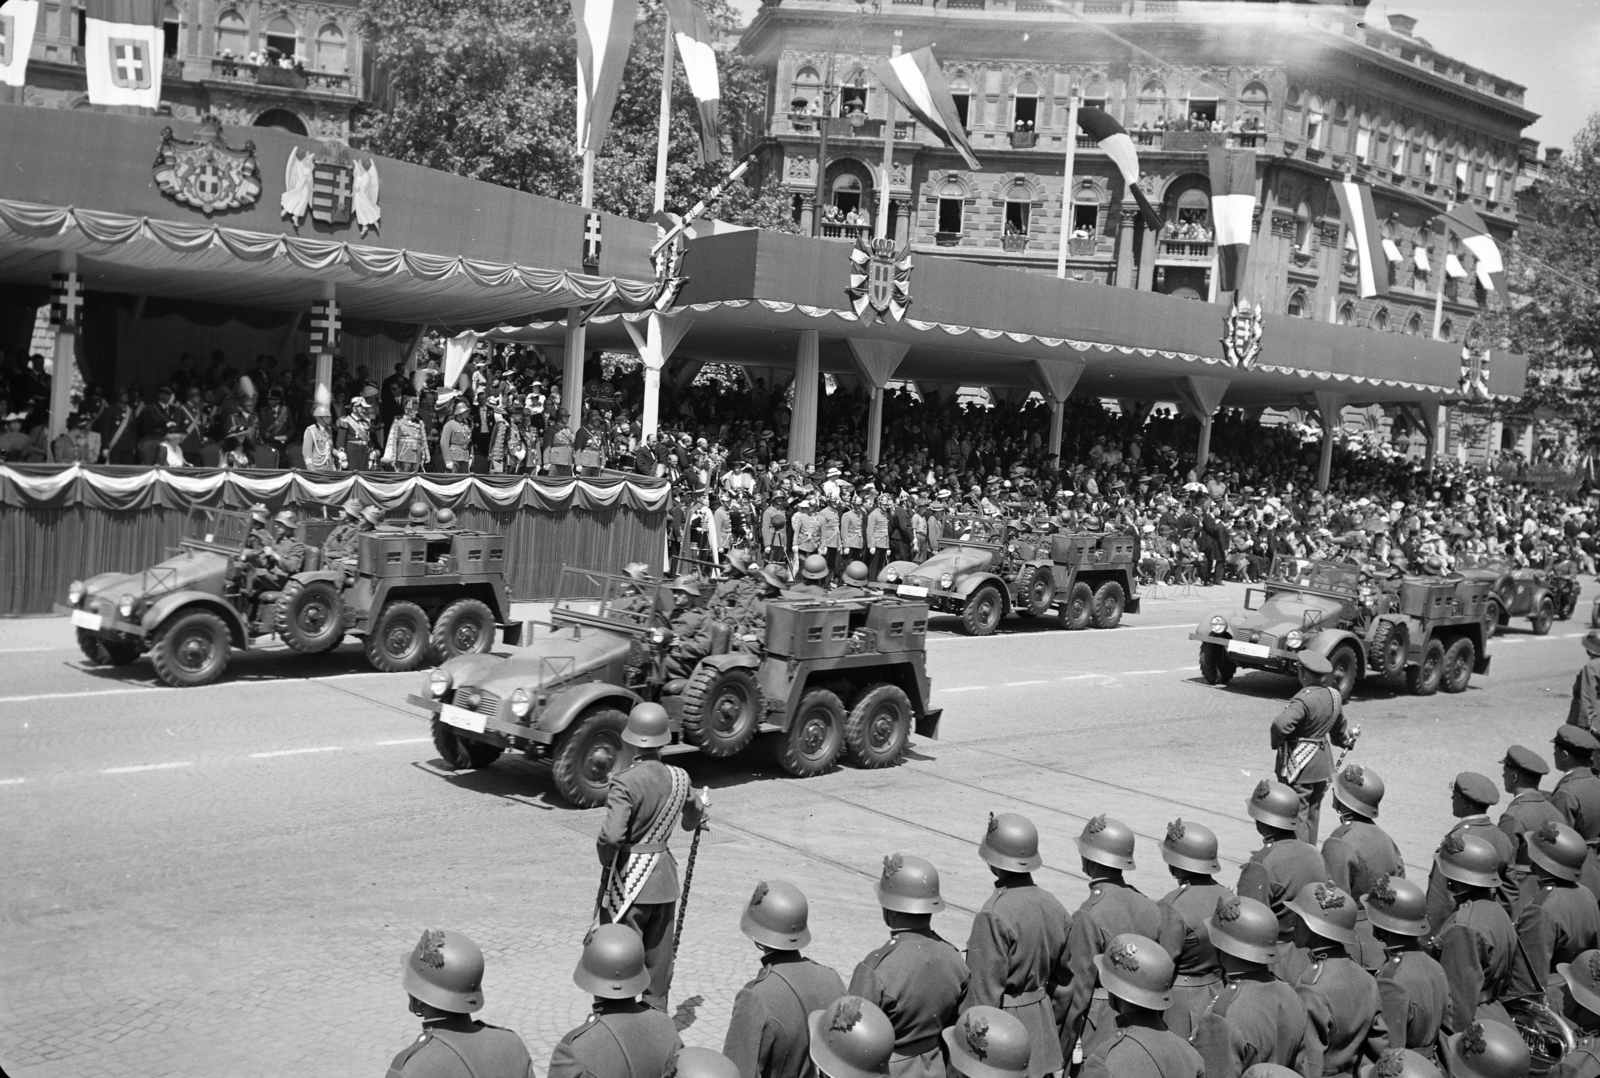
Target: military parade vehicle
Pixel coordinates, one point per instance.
(413, 591)
(829, 677)
(987, 570)
(1429, 632)
(1540, 595)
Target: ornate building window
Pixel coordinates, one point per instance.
(171, 29)
(853, 93)
(1025, 111)
(807, 89)
(952, 207)
(1447, 330)
(1298, 306)
(331, 55)
(1316, 123)
(233, 35)
(1380, 321)
(961, 94)
(1085, 213)
(1414, 325)
(1019, 207)
(282, 36)
(1253, 103)
(847, 193)
(1397, 149)
(1151, 111)
(1347, 313)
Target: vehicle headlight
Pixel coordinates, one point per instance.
(946, 581)
(521, 703)
(1294, 640)
(1219, 625)
(75, 593)
(125, 606)
(438, 684)
(891, 574)
(660, 637)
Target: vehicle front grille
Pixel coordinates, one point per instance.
(488, 704)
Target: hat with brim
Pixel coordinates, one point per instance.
(1316, 663)
(1382, 918)
(1305, 905)
(1410, 1063)
(1507, 1055)
(1112, 981)
(1582, 975)
(963, 1061)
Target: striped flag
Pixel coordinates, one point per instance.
(1466, 223)
(1233, 209)
(1118, 145)
(605, 31)
(17, 21)
(122, 42)
(692, 34)
(1355, 202)
(917, 83)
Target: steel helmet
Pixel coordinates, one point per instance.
(1327, 911)
(1244, 928)
(1011, 843)
(1138, 970)
(738, 561)
(702, 1063)
(1488, 1050)
(1270, 1070)
(648, 727)
(638, 570)
(776, 916)
(445, 970)
(1107, 842)
(1358, 789)
(1398, 905)
(1582, 975)
(444, 518)
(372, 515)
(1558, 849)
(856, 572)
(687, 584)
(419, 512)
(851, 1038)
(987, 1042)
(285, 517)
(1397, 1063)
(1274, 804)
(1192, 847)
(909, 885)
(259, 513)
(1466, 858)
(612, 963)
(815, 567)
(352, 508)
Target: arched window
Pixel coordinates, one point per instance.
(283, 120)
(1305, 229)
(1019, 207)
(853, 93)
(847, 192)
(807, 95)
(1204, 99)
(233, 35)
(331, 55)
(1380, 321)
(1398, 138)
(1316, 123)
(1253, 103)
(1095, 96)
(952, 203)
(1025, 111)
(1347, 313)
(961, 94)
(1447, 330)
(1297, 303)
(281, 35)
(171, 28)
(1191, 213)
(1085, 213)
(1152, 108)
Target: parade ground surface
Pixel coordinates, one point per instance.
(221, 881)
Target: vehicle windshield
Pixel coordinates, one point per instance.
(1311, 573)
(217, 529)
(610, 600)
(1469, 560)
(973, 530)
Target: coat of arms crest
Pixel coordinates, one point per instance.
(880, 279)
(205, 172)
(1241, 340)
(1475, 364)
(332, 186)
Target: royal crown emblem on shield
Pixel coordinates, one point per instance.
(1475, 364)
(1241, 338)
(880, 279)
(205, 172)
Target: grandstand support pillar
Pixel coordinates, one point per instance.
(656, 344)
(1056, 382)
(323, 356)
(577, 342)
(1201, 397)
(1435, 417)
(1147, 261)
(876, 361)
(1125, 277)
(1330, 411)
(803, 416)
(66, 315)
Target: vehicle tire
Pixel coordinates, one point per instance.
(1566, 606)
(586, 755)
(981, 614)
(398, 640)
(309, 617)
(878, 728)
(1079, 608)
(811, 744)
(191, 648)
(1423, 679)
(1386, 654)
(1215, 666)
(102, 652)
(1542, 616)
(1494, 615)
(1346, 663)
(462, 753)
(1456, 670)
(465, 627)
(721, 709)
(1036, 592)
(1109, 600)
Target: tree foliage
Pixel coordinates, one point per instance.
(488, 89)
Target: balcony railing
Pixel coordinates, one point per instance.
(834, 230)
(1024, 140)
(171, 69)
(1014, 242)
(1088, 142)
(905, 130)
(1082, 246)
(235, 70)
(947, 239)
(1188, 250)
(841, 127)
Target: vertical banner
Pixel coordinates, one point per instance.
(605, 32)
(18, 18)
(122, 52)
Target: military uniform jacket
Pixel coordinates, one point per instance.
(1144, 1050)
(877, 530)
(1112, 909)
(1476, 946)
(288, 555)
(621, 1039)
(828, 527)
(1344, 1015)
(463, 1048)
(807, 532)
(1255, 1019)
(638, 795)
(768, 1035)
(918, 980)
(1357, 854)
(1584, 1063)
(1528, 811)
(1586, 696)
(1415, 998)
(1199, 978)
(851, 535)
(1017, 954)
(1577, 795)
(1557, 922)
(1276, 872)
(1440, 903)
(1315, 714)
(341, 542)
(773, 527)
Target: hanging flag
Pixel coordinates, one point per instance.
(1233, 209)
(691, 31)
(917, 83)
(1466, 223)
(17, 21)
(122, 42)
(605, 31)
(1118, 145)
(1391, 250)
(1419, 255)
(1355, 202)
(1454, 268)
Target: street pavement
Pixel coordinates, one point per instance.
(223, 880)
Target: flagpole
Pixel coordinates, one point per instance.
(1338, 264)
(587, 198)
(1066, 183)
(664, 124)
(1444, 255)
(881, 225)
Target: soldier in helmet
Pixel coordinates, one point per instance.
(730, 602)
(1256, 1018)
(691, 628)
(1359, 851)
(1476, 942)
(1471, 795)
(1345, 1012)
(1530, 807)
(1137, 972)
(1411, 984)
(1577, 792)
(1190, 851)
(1276, 872)
(1582, 979)
(769, 1034)
(260, 527)
(1113, 908)
(443, 975)
(623, 1037)
(1395, 1063)
(1303, 734)
(1558, 918)
(917, 979)
(850, 1038)
(1017, 951)
(814, 571)
(281, 560)
(340, 545)
(1487, 1049)
(645, 799)
(853, 582)
(986, 1042)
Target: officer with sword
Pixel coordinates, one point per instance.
(1303, 735)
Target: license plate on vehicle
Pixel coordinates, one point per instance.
(462, 719)
(85, 620)
(912, 591)
(1255, 651)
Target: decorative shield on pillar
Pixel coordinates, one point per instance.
(66, 301)
(332, 189)
(1475, 364)
(325, 325)
(880, 280)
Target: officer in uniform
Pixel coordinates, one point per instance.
(1577, 792)
(1137, 973)
(260, 527)
(1477, 942)
(1558, 917)
(1190, 851)
(1487, 1049)
(341, 541)
(730, 602)
(1586, 687)
(623, 1037)
(1279, 869)
(645, 799)
(691, 628)
(1582, 978)
(769, 1032)
(1113, 908)
(1017, 951)
(1411, 984)
(917, 979)
(1256, 1018)
(443, 975)
(1359, 851)
(850, 1038)
(1530, 807)
(986, 1042)
(1343, 1005)
(1471, 796)
(281, 560)
(1302, 734)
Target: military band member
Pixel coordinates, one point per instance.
(1256, 1018)
(1137, 972)
(1577, 792)
(1476, 943)
(850, 1038)
(1471, 796)
(1279, 869)
(443, 975)
(624, 1037)
(1412, 985)
(986, 1042)
(1557, 917)
(1345, 1012)
(1190, 851)
(1487, 1049)
(1582, 1009)
(1359, 851)
(1530, 807)
(1303, 735)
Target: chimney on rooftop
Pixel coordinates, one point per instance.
(1552, 155)
(1402, 24)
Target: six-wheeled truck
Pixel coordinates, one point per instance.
(413, 592)
(1542, 596)
(983, 574)
(829, 677)
(1428, 632)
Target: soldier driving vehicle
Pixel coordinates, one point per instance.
(1541, 596)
